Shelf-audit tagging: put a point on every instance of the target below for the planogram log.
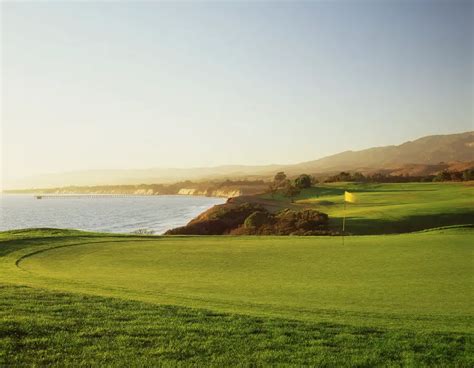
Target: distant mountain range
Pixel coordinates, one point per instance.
(424, 156)
(427, 151)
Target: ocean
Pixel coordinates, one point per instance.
(102, 213)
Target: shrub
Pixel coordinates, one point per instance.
(252, 219)
(279, 177)
(290, 221)
(303, 181)
(257, 219)
(468, 174)
(443, 176)
(291, 191)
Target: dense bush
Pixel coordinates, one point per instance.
(303, 181)
(289, 222)
(279, 177)
(252, 219)
(444, 175)
(290, 190)
(468, 175)
(257, 219)
(285, 222)
(218, 220)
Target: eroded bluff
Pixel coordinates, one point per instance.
(253, 219)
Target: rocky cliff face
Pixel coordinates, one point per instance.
(229, 193)
(223, 192)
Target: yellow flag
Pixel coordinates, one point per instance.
(350, 197)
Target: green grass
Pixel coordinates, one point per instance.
(391, 208)
(72, 298)
(45, 328)
(416, 277)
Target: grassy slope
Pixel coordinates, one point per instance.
(391, 208)
(400, 299)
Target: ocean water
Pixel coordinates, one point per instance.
(107, 214)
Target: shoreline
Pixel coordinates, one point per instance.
(109, 195)
(104, 213)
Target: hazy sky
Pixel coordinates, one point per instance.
(134, 85)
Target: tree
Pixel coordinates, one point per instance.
(379, 178)
(272, 189)
(443, 176)
(279, 177)
(456, 176)
(303, 181)
(291, 191)
(468, 175)
(344, 176)
(358, 177)
(257, 219)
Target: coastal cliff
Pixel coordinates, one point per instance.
(226, 189)
(229, 193)
(252, 218)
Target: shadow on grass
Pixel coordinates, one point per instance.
(43, 328)
(43, 237)
(316, 192)
(365, 226)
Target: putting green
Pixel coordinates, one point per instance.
(420, 279)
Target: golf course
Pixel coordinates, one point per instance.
(396, 291)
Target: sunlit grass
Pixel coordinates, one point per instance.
(71, 298)
(391, 208)
(45, 328)
(420, 279)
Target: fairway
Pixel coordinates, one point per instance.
(390, 208)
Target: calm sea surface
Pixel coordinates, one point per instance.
(117, 215)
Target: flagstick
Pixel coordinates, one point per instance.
(344, 222)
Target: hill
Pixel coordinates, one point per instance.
(427, 155)
(432, 153)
